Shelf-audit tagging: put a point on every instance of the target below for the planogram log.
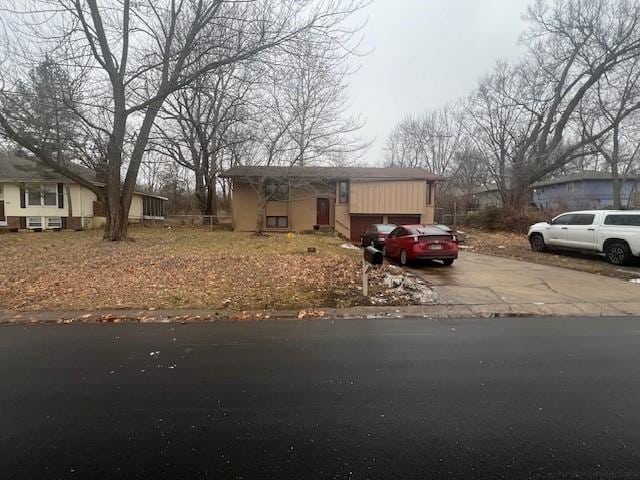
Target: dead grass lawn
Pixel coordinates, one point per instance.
(174, 268)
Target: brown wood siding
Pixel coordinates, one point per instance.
(98, 209)
(388, 197)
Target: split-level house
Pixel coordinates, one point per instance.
(346, 200)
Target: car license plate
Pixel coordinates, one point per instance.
(436, 246)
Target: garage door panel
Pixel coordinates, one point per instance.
(359, 224)
(404, 219)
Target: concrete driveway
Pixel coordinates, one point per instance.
(504, 285)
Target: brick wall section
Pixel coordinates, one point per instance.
(13, 223)
(74, 223)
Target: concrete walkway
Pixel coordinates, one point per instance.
(483, 282)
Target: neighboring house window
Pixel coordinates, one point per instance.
(277, 191)
(45, 195)
(277, 222)
(54, 222)
(570, 187)
(152, 207)
(34, 222)
(343, 191)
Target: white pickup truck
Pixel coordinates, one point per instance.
(616, 233)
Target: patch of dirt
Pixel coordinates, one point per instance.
(516, 246)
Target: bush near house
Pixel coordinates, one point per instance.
(502, 219)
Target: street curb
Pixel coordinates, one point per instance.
(369, 312)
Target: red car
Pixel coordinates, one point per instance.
(421, 242)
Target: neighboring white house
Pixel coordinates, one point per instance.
(34, 196)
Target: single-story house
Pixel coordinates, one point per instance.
(584, 191)
(486, 196)
(344, 199)
(33, 196)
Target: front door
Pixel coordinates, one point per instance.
(323, 211)
(3, 219)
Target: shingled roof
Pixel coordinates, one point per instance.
(351, 173)
(580, 176)
(15, 168)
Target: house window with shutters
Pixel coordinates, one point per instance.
(42, 195)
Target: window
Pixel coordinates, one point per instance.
(34, 196)
(277, 222)
(54, 222)
(34, 222)
(562, 220)
(152, 207)
(429, 193)
(277, 191)
(385, 228)
(343, 191)
(394, 232)
(50, 195)
(570, 187)
(623, 220)
(582, 219)
(42, 195)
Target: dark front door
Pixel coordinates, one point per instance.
(323, 211)
(2, 217)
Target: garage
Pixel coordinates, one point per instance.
(404, 219)
(359, 224)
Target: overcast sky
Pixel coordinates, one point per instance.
(427, 53)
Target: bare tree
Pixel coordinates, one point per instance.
(430, 141)
(614, 103)
(196, 127)
(497, 125)
(133, 55)
(572, 46)
(300, 120)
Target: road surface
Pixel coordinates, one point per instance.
(501, 398)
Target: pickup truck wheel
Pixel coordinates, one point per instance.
(618, 253)
(537, 243)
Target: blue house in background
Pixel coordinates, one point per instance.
(584, 191)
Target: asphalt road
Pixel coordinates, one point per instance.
(501, 398)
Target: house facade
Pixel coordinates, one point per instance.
(584, 191)
(346, 200)
(35, 197)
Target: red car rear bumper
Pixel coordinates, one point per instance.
(448, 251)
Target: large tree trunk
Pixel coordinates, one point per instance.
(615, 174)
(117, 225)
(212, 201)
(262, 203)
(518, 195)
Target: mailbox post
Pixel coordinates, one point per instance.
(371, 257)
